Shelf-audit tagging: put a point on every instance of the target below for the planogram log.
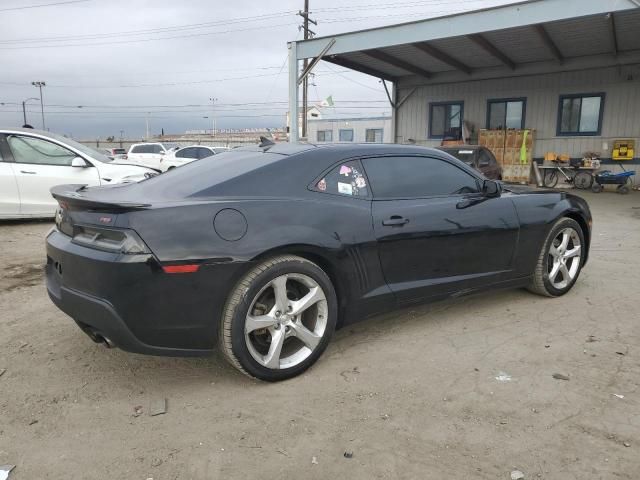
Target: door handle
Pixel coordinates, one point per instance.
(395, 221)
(25, 171)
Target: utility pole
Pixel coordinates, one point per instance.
(147, 120)
(121, 137)
(213, 116)
(305, 82)
(24, 108)
(40, 85)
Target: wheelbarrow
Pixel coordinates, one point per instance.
(607, 177)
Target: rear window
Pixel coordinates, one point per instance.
(200, 177)
(465, 154)
(119, 151)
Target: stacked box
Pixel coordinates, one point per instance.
(499, 154)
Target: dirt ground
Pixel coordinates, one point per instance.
(413, 394)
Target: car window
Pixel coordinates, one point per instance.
(37, 151)
(345, 179)
(414, 177)
(220, 150)
(185, 153)
(467, 155)
(138, 149)
(157, 149)
(485, 159)
(204, 152)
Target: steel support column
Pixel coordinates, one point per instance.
(293, 92)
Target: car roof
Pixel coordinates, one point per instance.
(460, 147)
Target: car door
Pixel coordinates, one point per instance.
(436, 233)
(40, 164)
(9, 195)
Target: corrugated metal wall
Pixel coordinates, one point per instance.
(621, 107)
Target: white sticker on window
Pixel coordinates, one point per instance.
(465, 151)
(345, 188)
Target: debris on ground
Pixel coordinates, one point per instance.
(158, 407)
(591, 339)
(137, 410)
(560, 376)
(620, 353)
(156, 462)
(5, 470)
(503, 377)
(314, 461)
(33, 422)
(517, 475)
(626, 444)
(2, 370)
(348, 454)
(617, 395)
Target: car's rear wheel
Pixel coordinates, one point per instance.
(279, 318)
(560, 260)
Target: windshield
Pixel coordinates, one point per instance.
(88, 151)
(463, 154)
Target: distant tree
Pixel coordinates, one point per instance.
(111, 138)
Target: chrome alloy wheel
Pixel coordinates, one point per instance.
(564, 258)
(286, 321)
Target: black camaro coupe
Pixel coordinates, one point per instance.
(267, 250)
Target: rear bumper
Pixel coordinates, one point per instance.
(129, 301)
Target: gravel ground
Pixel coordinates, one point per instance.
(413, 394)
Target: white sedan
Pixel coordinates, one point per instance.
(31, 162)
(188, 154)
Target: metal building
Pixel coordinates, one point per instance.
(570, 69)
(356, 130)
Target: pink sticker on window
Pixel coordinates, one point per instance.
(344, 170)
(322, 185)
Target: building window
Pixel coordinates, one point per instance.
(346, 135)
(325, 135)
(580, 114)
(506, 113)
(373, 135)
(445, 120)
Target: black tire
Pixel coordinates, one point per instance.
(232, 339)
(623, 189)
(550, 178)
(596, 188)
(540, 282)
(583, 180)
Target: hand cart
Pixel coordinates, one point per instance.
(607, 177)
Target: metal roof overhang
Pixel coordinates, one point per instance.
(528, 37)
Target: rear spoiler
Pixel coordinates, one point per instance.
(74, 195)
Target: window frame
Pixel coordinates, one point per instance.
(581, 96)
(492, 101)
(324, 131)
(313, 184)
(346, 130)
(464, 168)
(381, 129)
(439, 104)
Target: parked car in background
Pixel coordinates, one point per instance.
(188, 154)
(115, 153)
(477, 157)
(32, 162)
(149, 154)
(263, 252)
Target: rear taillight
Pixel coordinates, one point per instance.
(109, 239)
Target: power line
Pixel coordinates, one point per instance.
(42, 5)
(191, 26)
(167, 84)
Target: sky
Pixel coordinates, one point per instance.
(111, 65)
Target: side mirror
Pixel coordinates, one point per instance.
(79, 162)
(163, 153)
(491, 188)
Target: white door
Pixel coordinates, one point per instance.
(9, 196)
(38, 166)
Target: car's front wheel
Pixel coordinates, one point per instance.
(279, 318)
(561, 259)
